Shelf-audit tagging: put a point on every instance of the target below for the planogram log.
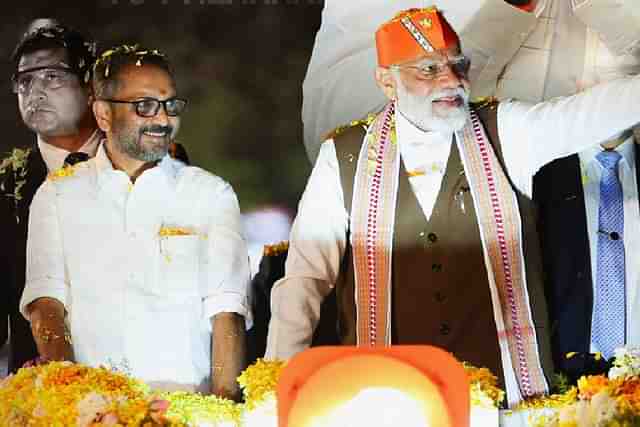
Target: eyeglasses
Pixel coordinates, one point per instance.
(149, 107)
(459, 65)
(50, 77)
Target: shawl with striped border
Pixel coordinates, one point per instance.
(372, 226)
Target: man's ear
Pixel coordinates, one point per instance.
(103, 114)
(386, 82)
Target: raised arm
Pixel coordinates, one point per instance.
(532, 135)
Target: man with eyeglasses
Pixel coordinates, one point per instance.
(54, 100)
(163, 295)
(418, 220)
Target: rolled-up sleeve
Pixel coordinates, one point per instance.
(46, 273)
(226, 261)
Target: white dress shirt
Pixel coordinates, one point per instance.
(531, 136)
(134, 298)
(54, 156)
(591, 174)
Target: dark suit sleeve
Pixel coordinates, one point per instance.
(7, 254)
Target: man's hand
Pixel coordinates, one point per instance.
(228, 357)
(47, 325)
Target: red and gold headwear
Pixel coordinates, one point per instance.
(411, 34)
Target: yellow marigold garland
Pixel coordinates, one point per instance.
(174, 231)
(260, 379)
(49, 395)
(63, 172)
(193, 408)
(485, 392)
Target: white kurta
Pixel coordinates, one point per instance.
(136, 300)
(564, 46)
(531, 136)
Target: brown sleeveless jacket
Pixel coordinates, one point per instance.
(440, 290)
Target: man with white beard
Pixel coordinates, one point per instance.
(418, 218)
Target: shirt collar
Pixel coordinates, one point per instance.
(167, 168)
(625, 149)
(54, 156)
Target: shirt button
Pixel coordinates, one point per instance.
(436, 268)
(445, 329)
(439, 297)
(432, 237)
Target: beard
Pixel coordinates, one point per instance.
(419, 110)
(131, 141)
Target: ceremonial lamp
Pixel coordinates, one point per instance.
(411, 386)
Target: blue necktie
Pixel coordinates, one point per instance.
(609, 314)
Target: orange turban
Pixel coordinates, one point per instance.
(411, 34)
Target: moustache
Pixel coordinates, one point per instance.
(450, 93)
(157, 129)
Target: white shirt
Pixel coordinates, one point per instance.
(425, 156)
(134, 298)
(54, 156)
(531, 136)
(591, 174)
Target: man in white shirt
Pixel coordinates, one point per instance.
(142, 255)
(421, 239)
(54, 101)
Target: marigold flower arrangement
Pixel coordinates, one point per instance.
(67, 394)
(485, 392)
(194, 409)
(598, 400)
(259, 382)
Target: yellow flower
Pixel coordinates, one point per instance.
(59, 393)
(63, 172)
(260, 379)
(197, 409)
(485, 392)
(174, 231)
(591, 385)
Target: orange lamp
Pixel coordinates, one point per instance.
(373, 386)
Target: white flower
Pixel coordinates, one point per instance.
(626, 363)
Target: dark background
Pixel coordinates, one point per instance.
(240, 63)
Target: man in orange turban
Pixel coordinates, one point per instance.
(416, 220)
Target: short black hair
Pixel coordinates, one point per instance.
(110, 63)
(46, 33)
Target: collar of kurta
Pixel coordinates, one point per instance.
(167, 168)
